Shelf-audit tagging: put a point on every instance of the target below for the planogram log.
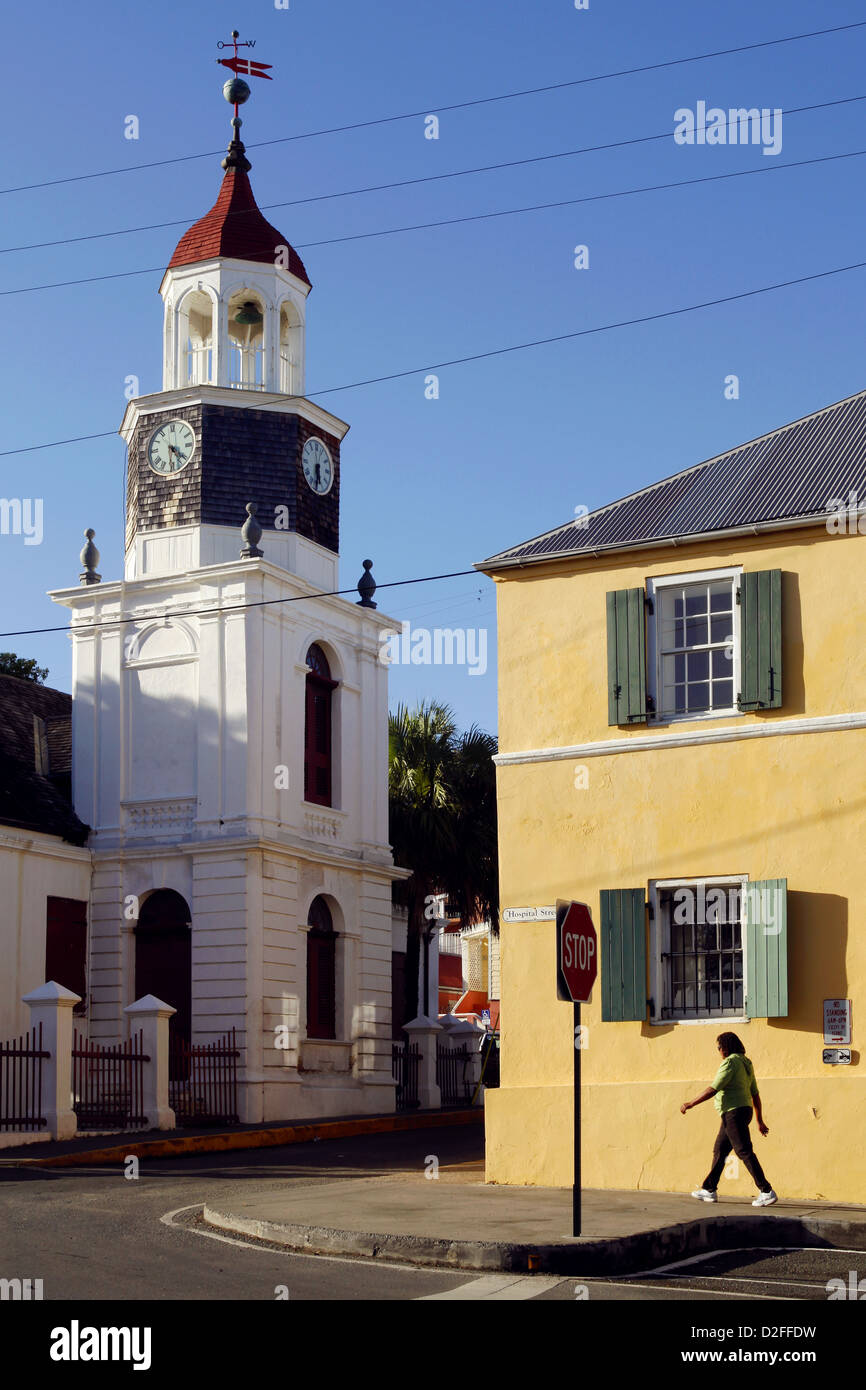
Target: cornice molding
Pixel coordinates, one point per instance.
(816, 724)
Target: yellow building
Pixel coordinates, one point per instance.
(682, 693)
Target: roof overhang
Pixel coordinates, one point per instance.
(498, 563)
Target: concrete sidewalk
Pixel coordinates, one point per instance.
(458, 1221)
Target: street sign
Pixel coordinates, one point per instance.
(837, 1056)
(578, 952)
(576, 971)
(529, 914)
(837, 1021)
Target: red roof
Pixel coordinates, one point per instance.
(235, 227)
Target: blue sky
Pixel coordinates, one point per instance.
(514, 443)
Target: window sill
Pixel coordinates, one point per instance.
(663, 721)
(692, 1022)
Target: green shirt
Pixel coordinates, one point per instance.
(734, 1083)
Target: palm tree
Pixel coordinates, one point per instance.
(442, 790)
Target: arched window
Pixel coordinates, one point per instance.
(317, 730)
(163, 957)
(321, 971)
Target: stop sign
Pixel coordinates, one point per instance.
(578, 952)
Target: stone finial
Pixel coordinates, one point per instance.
(251, 534)
(367, 586)
(89, 559)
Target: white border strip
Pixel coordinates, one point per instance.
(820, 724)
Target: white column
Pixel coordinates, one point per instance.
(151, 1015)
(425, 1032)
(51, 1005)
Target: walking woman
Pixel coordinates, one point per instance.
(735, 1090)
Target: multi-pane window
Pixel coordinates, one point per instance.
(695, 643)
(702, 950)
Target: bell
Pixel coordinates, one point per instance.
(248, 313)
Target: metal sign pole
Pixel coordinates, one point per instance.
(576, 1188)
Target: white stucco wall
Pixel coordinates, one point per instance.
(33, 867)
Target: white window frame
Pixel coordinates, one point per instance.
(654, 681)
(658, 944)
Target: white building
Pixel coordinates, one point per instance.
(229, 715)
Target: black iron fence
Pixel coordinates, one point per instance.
(405, 1064)
(108, 1083)
(490, 1061)
(203, 1081)
(454, 1074)
(21, 1081)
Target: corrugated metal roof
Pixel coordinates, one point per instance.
(788, 475)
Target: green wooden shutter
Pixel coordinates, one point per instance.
(765, 921)
(623, 954)
(760, 640)
(626, 657)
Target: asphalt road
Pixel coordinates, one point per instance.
(94, 1234)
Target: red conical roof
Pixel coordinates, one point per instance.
(235, 228)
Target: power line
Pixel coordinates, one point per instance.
(267, 398)
(453, 106)
(472, 217)
(150, 613)
(383, 188)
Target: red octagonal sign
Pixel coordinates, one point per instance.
(578, 952)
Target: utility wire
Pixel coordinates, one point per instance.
(267, 398)
(388, 187)
(454, 106)
(472, 217)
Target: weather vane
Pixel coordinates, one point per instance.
(236, 90)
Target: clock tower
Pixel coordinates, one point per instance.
(230, 710)
(231, 424)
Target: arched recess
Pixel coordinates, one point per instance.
(291, 349)
(319, 731)
(163, 957)
(196, 338)
(248, 332)
(321, 971)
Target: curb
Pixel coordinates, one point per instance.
(253, 1139)
(621, 1255)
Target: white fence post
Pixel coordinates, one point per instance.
(151, 1015)
(51, 1005)
(425, 1032)
(464, 1033)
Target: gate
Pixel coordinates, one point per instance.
(453, 1076)
(21, 1081)
(405, 1064)
(203, 1081)
(108, 1083)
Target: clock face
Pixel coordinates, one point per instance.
(317, 465)
(171, 446)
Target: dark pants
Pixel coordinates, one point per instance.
(734, 1134)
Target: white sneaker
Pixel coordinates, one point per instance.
(704, 1194)
(765, 1199)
